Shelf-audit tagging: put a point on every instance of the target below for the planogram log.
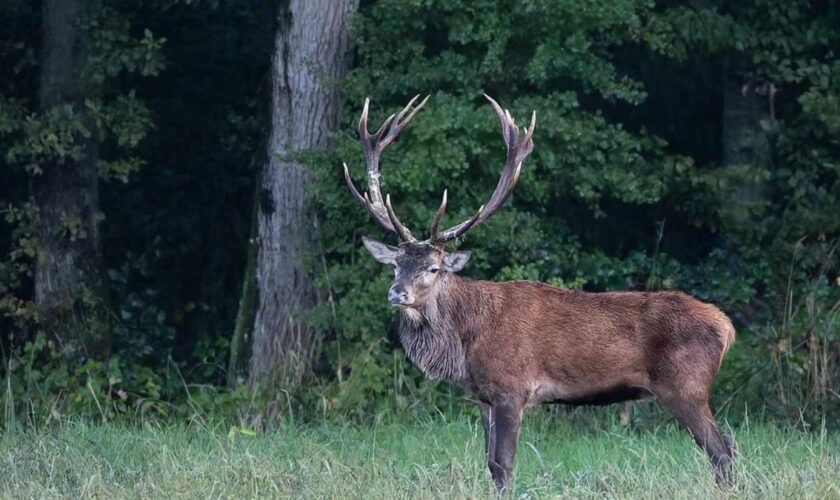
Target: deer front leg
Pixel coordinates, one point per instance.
(506, 419)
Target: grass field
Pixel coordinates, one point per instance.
(434, 459)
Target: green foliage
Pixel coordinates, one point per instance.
(625, 189)
(678, 31)
(15, 267)
(116, 50)
(56, 136)
(33, 138)
(584, 212)
(41, 388)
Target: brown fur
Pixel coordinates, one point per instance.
(520, 343)
(537, 343)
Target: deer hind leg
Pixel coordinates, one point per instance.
(696, 416)
(507, 419)
(488, 421)
(730, 444)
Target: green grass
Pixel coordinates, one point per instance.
(434, 459)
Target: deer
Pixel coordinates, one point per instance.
(517, 344)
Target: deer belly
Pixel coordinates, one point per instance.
(555, 393)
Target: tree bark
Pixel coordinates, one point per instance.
(312, 55)
(69, 284)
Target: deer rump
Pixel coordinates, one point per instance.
(540, 344)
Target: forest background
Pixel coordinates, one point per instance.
(145, 147)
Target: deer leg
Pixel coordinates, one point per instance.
(730, 444)
(697, 418)
(507, 419)
(489, 424)
(627, 414)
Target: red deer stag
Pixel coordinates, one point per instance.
(517, 344)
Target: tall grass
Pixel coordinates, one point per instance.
(805, 345)
(557, 458)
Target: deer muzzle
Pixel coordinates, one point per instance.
(399, 296)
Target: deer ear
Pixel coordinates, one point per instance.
(455, 261)
(383, 253)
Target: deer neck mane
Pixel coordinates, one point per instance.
(432, 335)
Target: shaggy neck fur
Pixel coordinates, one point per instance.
(433, 335)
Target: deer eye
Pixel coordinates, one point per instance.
(433, 270)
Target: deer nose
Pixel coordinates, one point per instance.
(397, 295)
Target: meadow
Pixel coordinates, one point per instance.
(434, 458)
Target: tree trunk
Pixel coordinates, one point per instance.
(744, 142)
(312, 56)
(69, 284)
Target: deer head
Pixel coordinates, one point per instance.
(421, 265)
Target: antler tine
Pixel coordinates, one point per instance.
(395, 124)
(529, 132)
(459, 230)
(355, 192)
(403, 231)
(388, 124)
(433, 231)
(373, 145)
(408, 106)
(364, 136)
(517, 150)
(415, 110)
(509, 134)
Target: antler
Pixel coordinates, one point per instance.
(517, 150)
(381, 210)
(374, 144)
